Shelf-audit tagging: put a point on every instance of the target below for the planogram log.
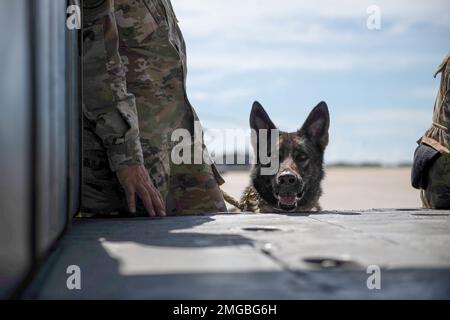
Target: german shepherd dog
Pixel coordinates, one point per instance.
(296, 186)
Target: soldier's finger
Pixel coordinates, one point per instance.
(155, 194)
(158, 204)
(152, 187)
(160, 196)
(147, 201)
(131, 200)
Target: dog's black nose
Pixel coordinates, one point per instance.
(287, 179)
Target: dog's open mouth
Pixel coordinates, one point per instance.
(288, 201)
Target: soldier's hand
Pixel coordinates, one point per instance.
(136, 181)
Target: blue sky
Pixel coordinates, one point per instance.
(291, 54)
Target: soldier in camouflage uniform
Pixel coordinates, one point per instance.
(436, 191)
(134, 84)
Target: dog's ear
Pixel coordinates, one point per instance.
(316, 125)
(259, 119)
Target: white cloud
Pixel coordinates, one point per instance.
(242, 35)
(217, 15)
(237, 38)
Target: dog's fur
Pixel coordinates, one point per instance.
(296, 187)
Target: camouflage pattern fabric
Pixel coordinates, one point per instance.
(134, 62)
(438, 135)
(107, 105)
(437, 193)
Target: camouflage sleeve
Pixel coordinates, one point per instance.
(438, 135)
(106, 101)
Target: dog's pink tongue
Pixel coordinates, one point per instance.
(287, 199)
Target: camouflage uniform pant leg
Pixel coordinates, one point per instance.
(437, 194)
(153, 61)
(101, 191)
(152, 49)
(194, 190)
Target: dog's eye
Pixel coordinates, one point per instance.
(302, 157)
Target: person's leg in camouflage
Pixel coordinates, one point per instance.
(101, 192)
(194, 189)
(111, 144)
(437, 194)
(153, 51)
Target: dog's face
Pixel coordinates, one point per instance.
(296, 183)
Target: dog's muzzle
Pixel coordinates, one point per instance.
(288, 190)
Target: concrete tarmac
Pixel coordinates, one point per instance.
(375, 254)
